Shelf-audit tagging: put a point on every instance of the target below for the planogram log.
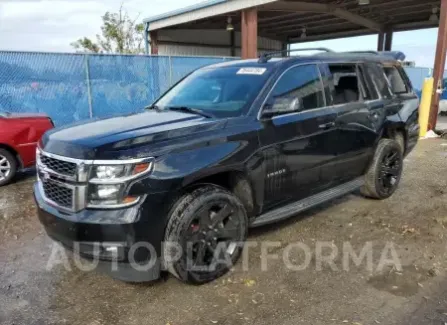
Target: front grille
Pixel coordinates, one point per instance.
(59, 166)
(60, 195)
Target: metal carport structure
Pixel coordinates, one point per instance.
(247, 27)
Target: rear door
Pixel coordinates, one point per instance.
(406, 100)
(355, 133)
(297, 127)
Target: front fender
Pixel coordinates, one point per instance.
(179, 169)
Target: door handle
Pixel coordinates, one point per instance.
(326, 126)
(374, 115)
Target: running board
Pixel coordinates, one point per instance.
(307, 203)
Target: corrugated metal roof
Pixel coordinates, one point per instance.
(180, 11)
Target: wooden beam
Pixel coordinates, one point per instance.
(249, 36)
(439, 66)
(325, 8)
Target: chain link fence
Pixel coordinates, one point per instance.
(74, 87)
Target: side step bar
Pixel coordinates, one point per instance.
(307, 203)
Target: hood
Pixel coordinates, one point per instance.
(89, 140)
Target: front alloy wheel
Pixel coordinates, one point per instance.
(210, 226)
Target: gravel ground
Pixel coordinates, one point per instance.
(413, 220)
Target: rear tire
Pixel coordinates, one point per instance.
(210, 225)
(8, 167)
(400, 139)
(383, 176)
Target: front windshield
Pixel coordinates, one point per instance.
(222, 92)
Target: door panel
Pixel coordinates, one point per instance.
(354, 134)
(295, 147)
(357, 132)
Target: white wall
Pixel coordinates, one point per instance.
(176, 49)
(170, 43)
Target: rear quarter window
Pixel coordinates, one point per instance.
(397, 80)
(379, 80)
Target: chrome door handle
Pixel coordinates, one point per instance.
(326, 126)
(374, 116)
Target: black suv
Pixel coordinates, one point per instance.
(231, 146)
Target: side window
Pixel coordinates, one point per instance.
(367, 85)
(395, 80)
(379, 80)
(348, 87)
(328, 83)
(298, 89)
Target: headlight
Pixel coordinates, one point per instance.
(109, 172)
(108, 183)
(112, 174)
(105, 192)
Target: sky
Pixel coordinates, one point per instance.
(51, 25)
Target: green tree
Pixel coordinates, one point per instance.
(119, 34)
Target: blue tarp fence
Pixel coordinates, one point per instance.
(417, 77)
(74, 87)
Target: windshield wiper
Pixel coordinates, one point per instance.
(154, 107)
(191, 110)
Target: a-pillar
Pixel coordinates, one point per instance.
(249, 33)
(154, 42)
(438, 71)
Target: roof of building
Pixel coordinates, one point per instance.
(183, 10)
(316, 20)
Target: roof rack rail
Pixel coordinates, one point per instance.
(396, 55)
(267, 56)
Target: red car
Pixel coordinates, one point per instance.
(19, 134)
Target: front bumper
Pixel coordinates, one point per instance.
(117, 247)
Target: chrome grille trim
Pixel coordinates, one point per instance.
(61, 167)
(78, 198)
(78, 183)
(81, 170)
(58, 193)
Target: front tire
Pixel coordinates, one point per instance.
(383, 176)
(8, 167)
(209, 225)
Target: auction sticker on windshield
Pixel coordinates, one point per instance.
(257, 71)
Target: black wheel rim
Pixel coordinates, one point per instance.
(215, 230)
(390, 170)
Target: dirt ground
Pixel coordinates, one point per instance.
(414, 220)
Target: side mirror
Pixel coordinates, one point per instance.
(282, 105)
